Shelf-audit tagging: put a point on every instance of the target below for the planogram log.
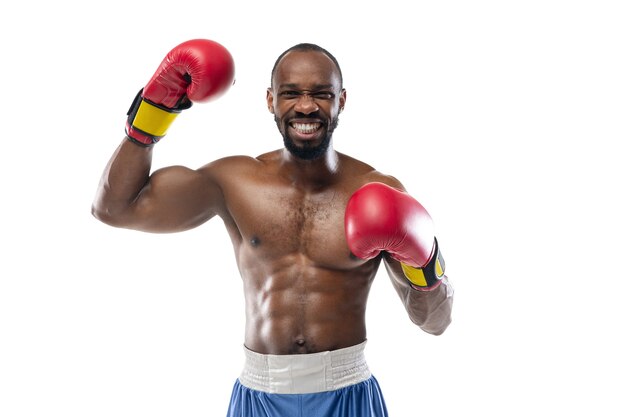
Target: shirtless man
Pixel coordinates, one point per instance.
(309, 225)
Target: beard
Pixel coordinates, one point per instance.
(308, 153)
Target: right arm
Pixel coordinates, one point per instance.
(170, 200)
(175, 198)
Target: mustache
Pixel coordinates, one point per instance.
(299, 116)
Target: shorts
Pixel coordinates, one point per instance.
(326, 384)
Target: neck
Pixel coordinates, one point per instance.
(314, 173)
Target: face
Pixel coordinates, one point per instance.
(306, 99)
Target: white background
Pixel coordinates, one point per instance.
(503, 118)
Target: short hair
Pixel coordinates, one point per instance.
(304, 47)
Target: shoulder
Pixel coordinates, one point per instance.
(361, 173)
(224, 170)
(231, 164)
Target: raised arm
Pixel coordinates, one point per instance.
(175, 198)
(382, 218)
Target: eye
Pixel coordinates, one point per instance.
(289, 94)
(324, 95)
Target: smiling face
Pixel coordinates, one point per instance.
(306, 98)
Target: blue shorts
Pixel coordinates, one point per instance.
(360, 400)
(325, 384)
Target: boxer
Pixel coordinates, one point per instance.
(310, 227)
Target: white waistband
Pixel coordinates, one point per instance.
(305, 373)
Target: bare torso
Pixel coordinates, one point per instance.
(284, 211)
(304, 291)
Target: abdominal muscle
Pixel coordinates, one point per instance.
(298, 307)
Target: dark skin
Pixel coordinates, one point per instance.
(304, 291)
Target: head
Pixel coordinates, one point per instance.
(306, 96)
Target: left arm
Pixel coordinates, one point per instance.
(430, 310)
(380, 218)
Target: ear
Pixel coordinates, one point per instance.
(342, 99)
(269, 97)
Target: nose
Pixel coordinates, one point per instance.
(306, 104)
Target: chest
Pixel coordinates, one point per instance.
(276, 220)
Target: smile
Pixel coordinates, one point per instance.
(306, 128)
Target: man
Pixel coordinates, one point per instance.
(309, 225)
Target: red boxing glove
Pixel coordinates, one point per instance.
(381, 218)
(194, 71)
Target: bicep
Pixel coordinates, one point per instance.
(176, 199)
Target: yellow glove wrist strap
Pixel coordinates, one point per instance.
(429, 275)
(153, 120)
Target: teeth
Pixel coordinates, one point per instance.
(306, 127)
